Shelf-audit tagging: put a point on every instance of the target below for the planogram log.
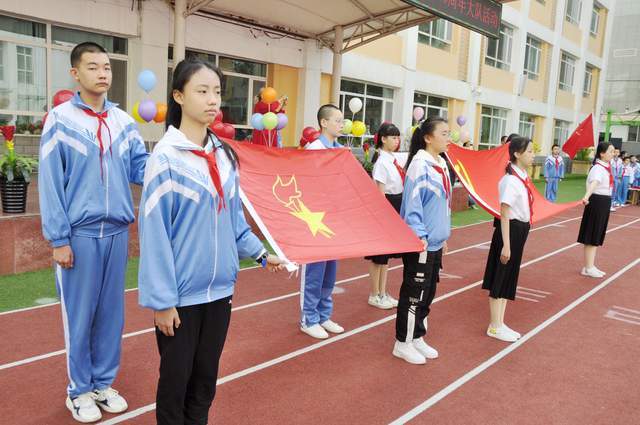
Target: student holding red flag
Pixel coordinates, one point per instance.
(597, 201)
(509, 237)
(426, 208)
(192, 233)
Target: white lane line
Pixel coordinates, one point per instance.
(497, 357)
(313, 347)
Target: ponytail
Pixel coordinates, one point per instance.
(427, 128)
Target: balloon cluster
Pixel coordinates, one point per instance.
(270, 120)
(309, 134)
(222, 129)
(354, 128)
(147, 110)
(463, 135)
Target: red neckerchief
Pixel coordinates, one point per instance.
(609, 171)
(557, 166)
(445, 181)
(400, 169)
(214, 173)
(529, 186)
(101, 120)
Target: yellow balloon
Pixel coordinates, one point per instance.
(358, 128)
(135, 115)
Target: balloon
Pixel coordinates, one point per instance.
(282, 121)
(228, 131)
(418, 113)
(256, 121)
(358, 128)
(310, 134)
(270, 121)
(455, 135)
(219, 117)
(217, 128)
(134, 113)
(355, 104)
(147, 109)
(269, 95)
(147, 80)
(465, 136)
(346, 127)
(161, 112)
(461, 120)
(62, 96)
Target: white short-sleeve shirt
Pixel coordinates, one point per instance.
(514, 193)
(384, 171)
(600, 173)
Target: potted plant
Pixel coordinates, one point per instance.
(582, 162)
(15, 175)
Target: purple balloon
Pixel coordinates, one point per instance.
(147, 109)
(282, 121)
(461, 120)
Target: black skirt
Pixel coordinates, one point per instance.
(595, 219)
(396, 203)
(501, 280)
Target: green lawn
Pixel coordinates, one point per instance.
(22, 290)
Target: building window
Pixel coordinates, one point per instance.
(493, 126)
(588, 78)
(634, 134)
(377, 104)
(560, 132)
(243, 81)
(436, 33)
(527, 125)
(499, 50)
(567, 69)
(432, 105)
(595, 20)
(572, 14)
(532, 57)
(24, 96)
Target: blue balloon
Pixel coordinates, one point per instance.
(256, 121)
(147, 80)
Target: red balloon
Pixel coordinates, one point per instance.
(219, 117)
(216, 127)
(310, 134)
(228, 131)
(62, 96)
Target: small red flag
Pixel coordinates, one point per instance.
(581, 138)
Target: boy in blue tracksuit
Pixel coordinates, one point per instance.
(89, 153)
(318, 279)
(617, 167)
(553, 173)
(426, 208)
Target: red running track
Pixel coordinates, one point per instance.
(352, 378)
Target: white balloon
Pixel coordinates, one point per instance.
(355, 104)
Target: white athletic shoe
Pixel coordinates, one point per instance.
(315, 331)
(592, 272)
(379, 302)
(84, 409)
(501, 333)
(425, 349)
(391, 300)
(408, 352)
(514, 333)
(110, 401)
(613, 209)
(599, 271)
(332, 327)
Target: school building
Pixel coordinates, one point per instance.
(540, 77)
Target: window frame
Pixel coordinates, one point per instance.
(533, 74)
(569, 63)
(595, 17)
(492, 118)
(435, 40)
(527, 125)
(571, 7)
(506, 37)
(588, 76)
(362, 114)
(560, 130)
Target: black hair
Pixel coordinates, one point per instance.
(181, 76)
(82, 48)
(427, 127)
(517, 144)
(325, 111)
(602, 148)
(386, 129)
(511, 136)
(555, 145)
(503, 139)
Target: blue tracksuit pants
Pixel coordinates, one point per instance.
(318, 280)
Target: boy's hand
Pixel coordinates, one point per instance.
(274, 264)
(63, 255)
(165, 320)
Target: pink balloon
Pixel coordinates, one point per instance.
(418, 113)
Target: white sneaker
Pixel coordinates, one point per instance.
(332, 327)
(379, 302)
(110, 401)
(83, 408)
(315, 331)
(612, 209)
(425, 349)
(501, 333)
(409, 353)
(592, 272)
(514, 333)
(391, 300)
(599, 271)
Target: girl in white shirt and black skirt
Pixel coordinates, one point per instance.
(509, 236)
(597, 200)
(389, 177)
